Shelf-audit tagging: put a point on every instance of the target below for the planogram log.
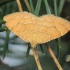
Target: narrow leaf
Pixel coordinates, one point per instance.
(6, 43)
(28, 50)
(55, 7)
(41, 47)
(3, 2)
(31, 5)
(2, 21)
(47, 7)
(58, 48)
(38, 5)
(2, 29)
(61, 4)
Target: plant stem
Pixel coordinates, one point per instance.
(54, 58)
(37, 59)
(27, 4)
(19, 5)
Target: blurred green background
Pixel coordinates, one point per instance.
(14, 50)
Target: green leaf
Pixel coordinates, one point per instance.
(3, 29)
(8, 8)
(31, 5)
(58, 48)
(41, 47)
(2, 21)
(6, 43)
(28, 50)
(38, 5)
(61, 4)
(47, 7)
(55, 7)
(2, 2)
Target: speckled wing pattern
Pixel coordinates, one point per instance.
(36, 30)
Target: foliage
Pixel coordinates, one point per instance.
(38, 7)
